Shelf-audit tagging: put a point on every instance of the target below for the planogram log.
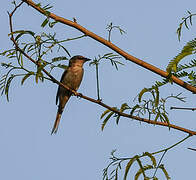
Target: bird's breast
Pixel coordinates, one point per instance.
(74, 77)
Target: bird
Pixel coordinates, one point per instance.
(72, 77)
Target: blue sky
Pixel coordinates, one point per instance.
(80, 150)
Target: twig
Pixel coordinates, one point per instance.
(126, 55)
(192, 109)
(190, 132)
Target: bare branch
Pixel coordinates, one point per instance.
(192, 109)
(126, 55)
(190, 132)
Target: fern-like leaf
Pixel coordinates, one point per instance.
(188, 49)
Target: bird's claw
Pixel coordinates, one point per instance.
(79, 95)
(99, 100)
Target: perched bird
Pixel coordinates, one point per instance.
(72, 78)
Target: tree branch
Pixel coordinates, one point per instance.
(126, 55)
(190, 132)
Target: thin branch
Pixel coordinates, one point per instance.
(193, 149)
(192, 109)
(159, 163)
(166, 149)
(126, 55)
(190, 132)
(97, 79)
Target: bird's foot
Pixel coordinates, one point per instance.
(79, 95)
(99, 100)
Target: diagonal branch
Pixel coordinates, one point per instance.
(190, 132)
(126, 55)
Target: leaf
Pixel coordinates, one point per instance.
(141, 166)
(164, 171)
(60, 58)
(38, 4)
(131, 161)
(141, 94)
(8, 85)
(116, 175)
(179, 31)
(157, 116)
(134, 108)
(66, 50)
(154, 163)
(21, 33)
(46, 7)
(106, 120)
(186, 24)
(166, 119)
(51, 24)
(191, 20)
(26, 76)
(187, 50)
(124, 106)
(140, 172)
(157, 96)
(21, 60)
(104, 113)
(45, 22)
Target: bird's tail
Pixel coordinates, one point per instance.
(57, 121)
(61, 107)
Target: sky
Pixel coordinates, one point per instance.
(80, 150)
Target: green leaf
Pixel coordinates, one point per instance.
(141, 94)
(191, 20)
(21, 33)
(164, 171)
(131, 161)
(104, 113)
(154, 163)
(45, 22)
(51, 24)
(38, 4)
(26, 76)
(124, 106)
(8, 86)
(60, 58)
(106, 120)
(141, 170)
(157, 96)
(157, 116)
(187, 50)
(134, 108)
(66, 50)
(166, 119)
(186, 24)
(46, 7)
(179, 31)
(141, 166)
(155, 178)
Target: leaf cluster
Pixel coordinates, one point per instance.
(151, 105)
(185, 21)
(115, 166)
(36, 47)
(113, 58)
(186, 69)
(110, 27)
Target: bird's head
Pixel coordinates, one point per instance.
(78, 60)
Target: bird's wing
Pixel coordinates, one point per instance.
(58, 91)
(57, 95)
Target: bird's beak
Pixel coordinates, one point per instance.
(87, 59)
